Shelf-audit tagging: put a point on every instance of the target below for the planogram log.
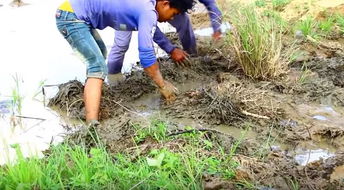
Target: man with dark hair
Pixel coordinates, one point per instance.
(77, 21)
(184, 29)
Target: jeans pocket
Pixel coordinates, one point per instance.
(65, 33)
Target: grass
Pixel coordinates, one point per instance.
(305, 74)
(257, 44)
(279, 4)
(327, 25)
(68, 166)
(260, 3)
(340, 22)
(17, 99)
(308, 27)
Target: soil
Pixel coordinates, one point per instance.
(300, 113)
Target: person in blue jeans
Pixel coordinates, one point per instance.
(184, 29)
(77, 21)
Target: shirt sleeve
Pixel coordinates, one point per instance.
(163, 42)
(214, 13)
(147, 26)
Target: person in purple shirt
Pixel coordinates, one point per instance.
(77, 21)
(184, 29)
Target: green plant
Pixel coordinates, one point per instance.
(256, 41)
(327, 25)
(17, 98)
(340, 22)
(68, 166)
(307, 27)
(157, 130)
(305, 74)
(276, 17)
(279, 4)
(260, 3)
(294, 184)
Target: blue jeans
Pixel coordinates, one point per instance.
(84, 40)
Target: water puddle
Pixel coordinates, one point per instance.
(303, 157)
(321, 115)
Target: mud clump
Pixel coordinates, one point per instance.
(332, 68)
(69, 99)
(230, 101)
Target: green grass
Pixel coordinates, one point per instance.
(340, 22)
(260, 3)
(257, 43)
(327, 25)
(69, 166)
(308, 27)
(279, 4)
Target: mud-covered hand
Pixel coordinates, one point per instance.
(180, 57)
(168, 91)
(217, 35)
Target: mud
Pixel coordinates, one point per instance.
(294, 126)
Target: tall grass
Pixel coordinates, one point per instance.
(257, 43)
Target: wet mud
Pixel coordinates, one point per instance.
(294, 126)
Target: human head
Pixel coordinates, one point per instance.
(167, 9)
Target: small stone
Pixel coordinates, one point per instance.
(299, 34)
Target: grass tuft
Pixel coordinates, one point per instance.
(257, 43)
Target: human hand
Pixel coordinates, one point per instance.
(168, 91)
(180, 57)
(217, 35)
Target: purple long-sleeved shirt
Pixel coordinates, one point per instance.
(127, 15)
(215, 18)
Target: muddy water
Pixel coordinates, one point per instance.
(305, 152)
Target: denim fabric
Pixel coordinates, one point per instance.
(84, 40)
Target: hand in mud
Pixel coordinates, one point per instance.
(168, 91)
(180, 57)
(217, 36)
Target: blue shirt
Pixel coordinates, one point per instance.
(127, 15)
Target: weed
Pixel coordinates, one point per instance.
(327, 25)
(279, 4)
(294, 184)
(17, 99)
(277, 19)
(304, 77)
(308, 27)
(260, 3)
(157, 130)
(256, 41)
(340, 22)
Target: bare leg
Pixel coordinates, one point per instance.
(92, 96)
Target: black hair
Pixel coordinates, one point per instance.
(182, 5)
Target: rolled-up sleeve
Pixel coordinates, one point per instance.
(147, 27)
